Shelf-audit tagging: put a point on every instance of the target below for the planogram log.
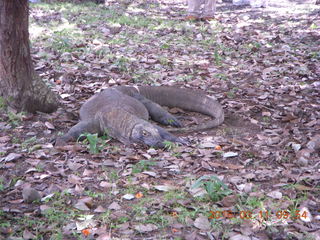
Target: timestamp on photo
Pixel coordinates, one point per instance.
(262, 214)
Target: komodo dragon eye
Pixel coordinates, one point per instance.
(145, 133)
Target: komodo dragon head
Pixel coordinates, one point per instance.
(152, 135)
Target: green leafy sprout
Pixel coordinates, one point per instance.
(215, 188)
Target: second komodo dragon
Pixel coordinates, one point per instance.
(123, 113)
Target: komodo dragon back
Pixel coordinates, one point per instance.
(187, 99)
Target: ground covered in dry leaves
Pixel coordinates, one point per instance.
(254, 177)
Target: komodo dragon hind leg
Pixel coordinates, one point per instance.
(157, 113)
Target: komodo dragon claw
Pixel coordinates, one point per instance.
(170, 121)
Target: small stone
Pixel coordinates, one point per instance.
(296, 147)
(207, 145)
(314, 143)
(152, 151)
(128, 196)
(275, 195)
(306, 153)
(302, 161)
(30, 194)
(230, 154)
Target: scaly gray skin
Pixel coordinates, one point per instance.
(122, 117)
(187, 99)
(123, 112)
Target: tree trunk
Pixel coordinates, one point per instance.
(20, 85)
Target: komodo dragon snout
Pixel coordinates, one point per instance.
(152, 135)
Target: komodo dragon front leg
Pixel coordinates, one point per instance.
(75, 132)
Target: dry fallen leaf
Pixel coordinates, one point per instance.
(202, 223)
(144, 228)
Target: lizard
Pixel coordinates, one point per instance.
(123, 113)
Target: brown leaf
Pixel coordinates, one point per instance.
(74, 179)
(49, 125)
(144, 228)
(100, 209)
(114, 206)
(12, 156)
(202, 223)
(5, 139)
(81, 206)
(229, 201)
(27, 235)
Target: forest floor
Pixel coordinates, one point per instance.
(257, 176)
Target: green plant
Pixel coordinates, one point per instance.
(176, 154)
(157, 218)
(217, 57)
(28, 143)
(123, 219)
(250, 155)
(142, 165)
(4, 224)
(102, 52)
(215, 188)
(170, 195)
(57, 236)
(165, 46)
(95, 194)
(253, 202)
(141, 77)
(95, 144)
(122, 64)
(230, 94)
(217, 225)
(105, 217)
(169, 145)
(313, 26)
(185, 213)
(164, 60)
(113, 175)
(221, 76)
(15, 118)
(140, 209)
(1, 188)
(184, 78)
(315, 55)
(2, 103)
(64, 40)
(266, 119)
(39, 168)
(54, 215)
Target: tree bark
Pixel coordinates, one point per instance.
(20, 85)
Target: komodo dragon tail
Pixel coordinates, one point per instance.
(187, 99)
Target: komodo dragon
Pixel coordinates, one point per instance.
(123, 112)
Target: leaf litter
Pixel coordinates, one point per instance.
(261, 64)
